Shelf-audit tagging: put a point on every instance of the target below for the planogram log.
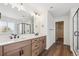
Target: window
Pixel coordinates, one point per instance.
(7, 27)
(3, 26)
(11, 27)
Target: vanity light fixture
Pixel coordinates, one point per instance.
(36, 13)
(20, 6)
(51, 7)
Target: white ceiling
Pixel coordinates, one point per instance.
(59, 9)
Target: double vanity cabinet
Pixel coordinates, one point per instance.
(30, 47)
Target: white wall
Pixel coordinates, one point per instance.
(40, 23)
(40, 26)
(66, 28)
(50, 30)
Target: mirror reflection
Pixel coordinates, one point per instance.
(24, 28)
(14, 21)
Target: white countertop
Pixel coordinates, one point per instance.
(5, 41)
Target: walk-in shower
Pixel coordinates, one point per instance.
(76, 31)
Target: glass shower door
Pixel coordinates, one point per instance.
(76, 31)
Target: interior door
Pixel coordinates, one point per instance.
(60, 31)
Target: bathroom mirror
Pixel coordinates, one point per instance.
(15, 27)
(26, 27)
(13, 21)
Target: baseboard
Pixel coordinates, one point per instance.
(49, 46)
(74, 53)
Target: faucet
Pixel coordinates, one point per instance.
(14, 36)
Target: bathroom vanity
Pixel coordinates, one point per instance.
(24, 47)
(22, 34)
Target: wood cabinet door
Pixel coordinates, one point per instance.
(26, 51)
(13, 53)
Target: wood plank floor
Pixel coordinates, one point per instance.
(58, 49)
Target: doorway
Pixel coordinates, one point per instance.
(59, 32)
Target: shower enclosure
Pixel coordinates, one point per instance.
(76, 31)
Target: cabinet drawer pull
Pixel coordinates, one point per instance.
(20, 53)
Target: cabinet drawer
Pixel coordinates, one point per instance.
(15, 52)
(1, 51)
(35, 46)
(35, 40)
(35, 52)
(17, 45)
